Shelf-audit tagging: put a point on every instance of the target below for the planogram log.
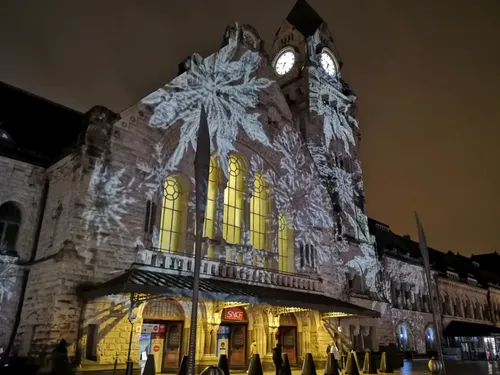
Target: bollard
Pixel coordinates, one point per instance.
(183, 366)
(332, 366)
(386, 366)
(255, 366)
(308, 367)
(365, 362)
(435, 366)
(370, 364)
(285, 368)
(223, 364)
(149, 368)
(211, 370)
(351, 367)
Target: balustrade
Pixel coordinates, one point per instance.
(172, 262)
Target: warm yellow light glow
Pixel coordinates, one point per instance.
(282, 243)
(171, 216)
(211, 210)
(258, 213)
(233, 200)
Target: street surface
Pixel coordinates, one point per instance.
(420, 368)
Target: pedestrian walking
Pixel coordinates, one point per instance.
(60, 361)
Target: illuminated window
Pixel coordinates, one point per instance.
(285, 246)
(172, 216)
(233, 200)
(211, 210)
(258, 213)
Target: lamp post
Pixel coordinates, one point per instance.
(201, 168)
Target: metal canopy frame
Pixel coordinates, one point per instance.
(146, 285)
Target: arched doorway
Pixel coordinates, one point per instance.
(403, 339)
(161, 334)
(232, 336)
(287, 336)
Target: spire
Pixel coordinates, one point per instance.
(304, 18)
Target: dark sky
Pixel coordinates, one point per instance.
(426, 74)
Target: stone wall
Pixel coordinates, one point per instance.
(11, 282)
(23, 183)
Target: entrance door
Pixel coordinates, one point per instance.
(288, 339)
(237, 345)
(173, 342)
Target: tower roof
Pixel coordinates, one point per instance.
(304, 18)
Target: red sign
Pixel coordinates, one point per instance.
(156, 348)
(234, 313)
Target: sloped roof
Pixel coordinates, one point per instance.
(40, 129)
(304, 18)
(404, 246)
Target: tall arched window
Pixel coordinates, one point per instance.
(10, 220)
(173, 215)
(402, 338)
(259, 207)
(211, 210)
(233, 200)
(286, 262)
(430, 339)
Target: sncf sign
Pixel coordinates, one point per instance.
(234, 313)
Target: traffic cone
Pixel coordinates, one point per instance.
(255, 366)
(332, 366)
(285, 368)
(149, 368)
(183, 367)
(386, 364)
(308, 368)
(351, 368)
(223, 364)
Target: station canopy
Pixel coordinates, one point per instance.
(151, 283)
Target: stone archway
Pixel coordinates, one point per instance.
(163, 333)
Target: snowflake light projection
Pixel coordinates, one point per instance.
(296, 191)
(7, 282)
(367, 265)
(227, 85)
(107, 202)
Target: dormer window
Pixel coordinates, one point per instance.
(472, 281)
(452, 275)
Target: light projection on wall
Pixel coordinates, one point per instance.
(108, 200)
(233, 200)
(283, 243)
(227, 85)
(259, 207)
(7, 282)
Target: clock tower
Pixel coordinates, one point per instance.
(307, 67)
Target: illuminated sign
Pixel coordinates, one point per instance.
(234, 313)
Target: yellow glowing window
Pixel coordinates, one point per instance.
(211, 210)
(258, 213)
(233, 200)
(171, 215)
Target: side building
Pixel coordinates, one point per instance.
(468, 290)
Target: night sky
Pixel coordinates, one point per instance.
(425, 72)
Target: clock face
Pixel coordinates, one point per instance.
(284, 63)
(328, 63)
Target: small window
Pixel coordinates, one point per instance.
(10, 220)
(92, 339)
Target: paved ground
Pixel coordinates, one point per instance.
(454, 368)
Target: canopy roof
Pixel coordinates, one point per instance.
(144, 281)
(457, 329)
